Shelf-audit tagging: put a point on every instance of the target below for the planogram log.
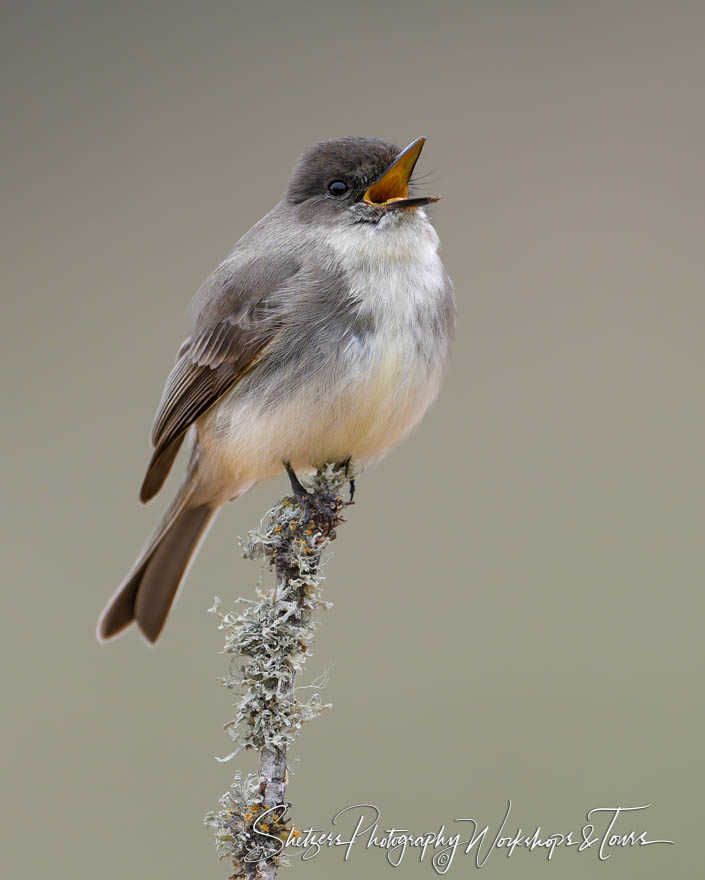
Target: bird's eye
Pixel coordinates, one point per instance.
(337, 187)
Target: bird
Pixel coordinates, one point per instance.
(322, 337)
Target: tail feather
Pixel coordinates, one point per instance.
(167, 567)
(148, 592)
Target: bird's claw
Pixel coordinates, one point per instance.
(319, 509)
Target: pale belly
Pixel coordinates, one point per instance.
(359, 411)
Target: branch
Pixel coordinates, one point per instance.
(274, 635)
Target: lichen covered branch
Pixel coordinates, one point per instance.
(267, 645)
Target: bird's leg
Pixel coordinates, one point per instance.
(296, 486)
(315, 508)
(346, 464)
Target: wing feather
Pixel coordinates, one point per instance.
(211, 364)
(238, 315)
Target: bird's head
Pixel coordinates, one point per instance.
(355, 179)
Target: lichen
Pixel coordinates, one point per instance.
(267, 645)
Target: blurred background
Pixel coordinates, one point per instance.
(518, 590)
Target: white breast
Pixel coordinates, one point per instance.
(395, 272)
(396, 277)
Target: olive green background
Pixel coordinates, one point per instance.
(518, 591)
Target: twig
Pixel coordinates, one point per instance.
(274, 635)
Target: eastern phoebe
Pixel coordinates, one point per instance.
(322, 337)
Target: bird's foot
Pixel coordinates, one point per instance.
(345, 465)
(322, 511)
(319, 509)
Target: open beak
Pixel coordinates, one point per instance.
(392, 188)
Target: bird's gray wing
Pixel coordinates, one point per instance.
(237, 320)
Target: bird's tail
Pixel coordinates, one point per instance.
(148, 591)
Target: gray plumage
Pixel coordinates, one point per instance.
(322, 336)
